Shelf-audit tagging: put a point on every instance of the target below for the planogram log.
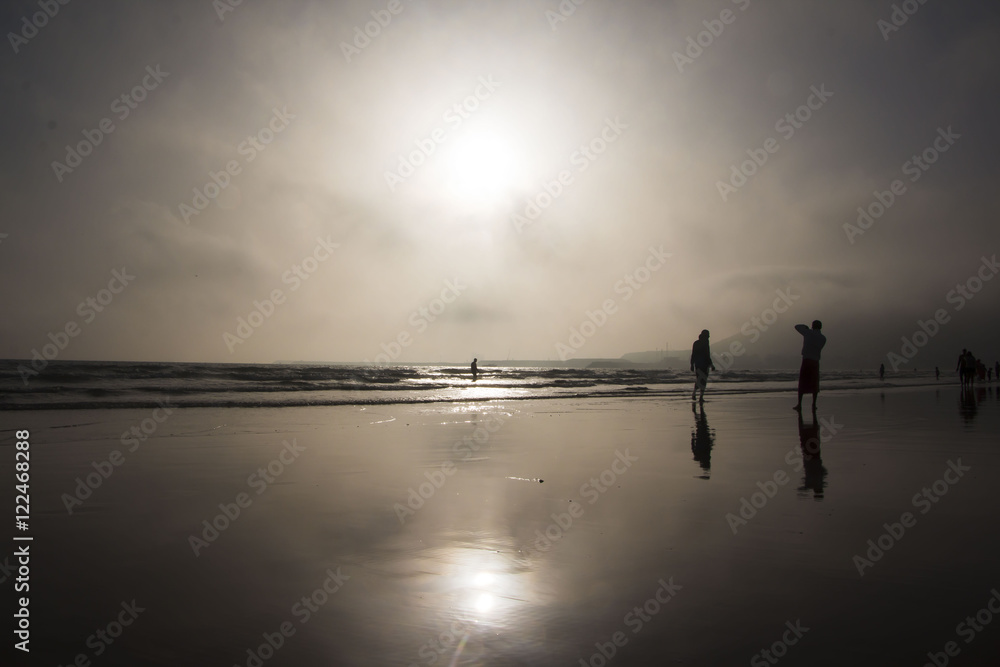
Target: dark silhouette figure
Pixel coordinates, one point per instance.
(812, 344)
(813, 472)
(701, 363)
(702, 441)
(960, 367)
(881, 372)
(937, 373)
(475, 369)
(996, 370)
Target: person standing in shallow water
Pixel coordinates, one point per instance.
(881, 372)
(812, 344)
(701, 363)
(475, 369)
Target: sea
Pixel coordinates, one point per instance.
(74, 385)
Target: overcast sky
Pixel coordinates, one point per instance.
(319, 123)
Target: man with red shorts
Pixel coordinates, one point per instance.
(812, 344)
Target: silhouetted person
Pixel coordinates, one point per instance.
(881, 372)
(701, 363)
(937, 373)
(963, 375)
(996, 370)
(702, 440)
(813, 472)
(475, 369)
(812, 344)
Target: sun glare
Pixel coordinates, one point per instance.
(482, 166)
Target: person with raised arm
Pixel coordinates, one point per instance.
(812, 344)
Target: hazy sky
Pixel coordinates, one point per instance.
(321, 127)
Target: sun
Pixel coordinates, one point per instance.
(482, 166)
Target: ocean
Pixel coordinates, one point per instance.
(70, 385)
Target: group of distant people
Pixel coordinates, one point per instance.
(813, 341)
(970, 369)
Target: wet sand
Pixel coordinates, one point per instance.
(534, 532)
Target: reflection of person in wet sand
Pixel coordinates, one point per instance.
(475, 369)
(967, 404)
(702, 440)
(812, 344)
(813, 472)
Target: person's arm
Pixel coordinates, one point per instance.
(708, 351)
(693, 349)
(802, 329)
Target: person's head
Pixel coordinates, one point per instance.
(703, 335)
(475, 359)
(817, 325)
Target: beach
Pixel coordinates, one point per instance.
(605, 530)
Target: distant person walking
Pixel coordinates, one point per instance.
(812, 344)
(970, 368)
(963, 373)
(881, 372)
(701, 363)
(475, 369)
